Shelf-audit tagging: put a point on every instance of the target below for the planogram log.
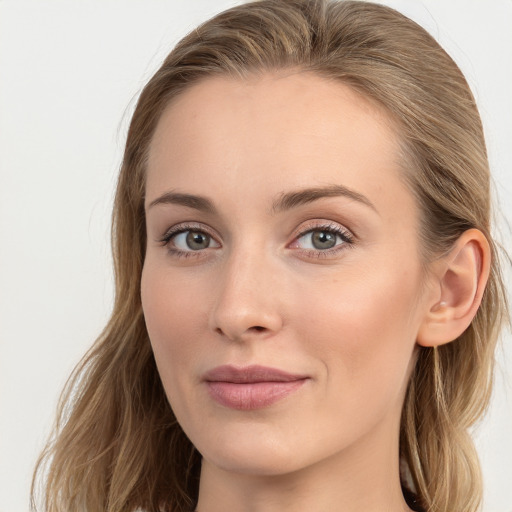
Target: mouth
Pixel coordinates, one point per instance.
(251, 387)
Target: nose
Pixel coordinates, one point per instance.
(248, 300)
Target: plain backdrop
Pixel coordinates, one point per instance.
(70, 72)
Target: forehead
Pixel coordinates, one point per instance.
(273, 132)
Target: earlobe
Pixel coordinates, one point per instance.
(460, 280)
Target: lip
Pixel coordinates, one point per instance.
(251, 387)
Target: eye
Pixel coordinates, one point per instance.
(192, 240)
(320, 240)
(185, 240)
(323, 240)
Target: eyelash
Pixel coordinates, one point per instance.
(177, 230)
(346, 236)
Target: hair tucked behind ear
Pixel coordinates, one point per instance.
(117, 446)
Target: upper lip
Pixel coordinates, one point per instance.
(250, 374)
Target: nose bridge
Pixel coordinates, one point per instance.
(247, 301)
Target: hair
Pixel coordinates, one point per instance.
(117, 445)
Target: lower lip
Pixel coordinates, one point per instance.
(252, 395)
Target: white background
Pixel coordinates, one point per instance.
(69, 73)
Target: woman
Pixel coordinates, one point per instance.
(307, 292)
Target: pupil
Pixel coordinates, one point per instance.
(197, 241)
(323, 240)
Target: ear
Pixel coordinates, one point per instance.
(458, 285)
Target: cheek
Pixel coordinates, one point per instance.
(364, 327)
(172, 311)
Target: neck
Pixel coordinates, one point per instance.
(364, 477)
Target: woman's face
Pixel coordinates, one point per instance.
(282, 285)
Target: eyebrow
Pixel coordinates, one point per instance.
(293, 199)
(286, 201)
(200, 203)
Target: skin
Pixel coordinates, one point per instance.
(260, 292)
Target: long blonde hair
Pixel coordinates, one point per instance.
(117, 445)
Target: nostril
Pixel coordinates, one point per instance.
(255, 328)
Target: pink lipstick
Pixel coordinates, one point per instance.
(251, 387)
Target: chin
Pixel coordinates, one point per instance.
(251, 454)
(256, 463)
